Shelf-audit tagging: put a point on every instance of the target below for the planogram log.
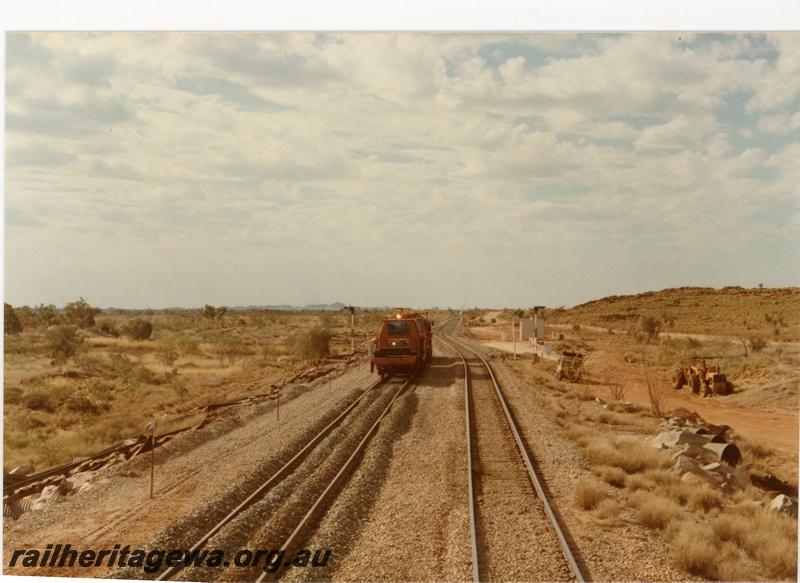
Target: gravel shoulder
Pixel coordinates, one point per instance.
(403, 515)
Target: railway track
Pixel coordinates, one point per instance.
(296, 500)
(508, 506)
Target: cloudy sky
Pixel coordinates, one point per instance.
(414, 169)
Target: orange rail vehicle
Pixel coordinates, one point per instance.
(404, 345)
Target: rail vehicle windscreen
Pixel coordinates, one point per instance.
(398, 328)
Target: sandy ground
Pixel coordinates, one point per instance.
(768, 423)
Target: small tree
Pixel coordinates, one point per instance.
(81, 314)
(11, 323)
(208, 312)
(757, 344)
(649, 328)
(655, 389)
(47, 315)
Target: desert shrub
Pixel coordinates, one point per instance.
(63, 342)
(589, 494)
(312, 344)
(167, 352)
(81, 314)
(655, 511)
(100, 391)
(180, 389)
(757, 344)
(12, 395)
(138, 329)
(230, 349)
(11, 322)
(186, 346)
(80, 403)
(649, 328)
(108, 328)
(129, 371)
(28, 422)
(49, 453)
(47, 315)
(18, 344)
(39, 400)
(692, 345)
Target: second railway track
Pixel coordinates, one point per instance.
(515, 535)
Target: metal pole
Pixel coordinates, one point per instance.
(152, 466)
(514, 338)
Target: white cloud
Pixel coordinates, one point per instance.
(276, 162)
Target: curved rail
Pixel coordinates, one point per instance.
(273, 480)
(528, 465)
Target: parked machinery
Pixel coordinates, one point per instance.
(698, 375)
(404, 345)
(570, 367)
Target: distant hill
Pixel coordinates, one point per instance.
(730, 310)
(282, 307)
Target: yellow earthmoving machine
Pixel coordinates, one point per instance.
(701, 376)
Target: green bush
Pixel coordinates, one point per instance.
(64, 342)
(312, 345)
(38, 400)
(11, 323)
(167, 351)
(82, 404)
(230, 349)
(186, 346)
(107, 328)
(81, 314)
(138, 329)
(12, 395)
(129, 371)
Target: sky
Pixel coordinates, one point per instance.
(448, 169)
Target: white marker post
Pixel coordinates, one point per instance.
(151, 429)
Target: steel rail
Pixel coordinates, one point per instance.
(304, 522)
(528, 465)
(276, 477)
(472, 530)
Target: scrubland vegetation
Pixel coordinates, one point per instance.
(79, 379)
(753, 335)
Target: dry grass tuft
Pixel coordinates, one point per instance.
(611, 475)
(589, 494)
(695, 550)
(768, 537)
(630, 456)
(606, 509)
(655, 511)
(703, 500)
